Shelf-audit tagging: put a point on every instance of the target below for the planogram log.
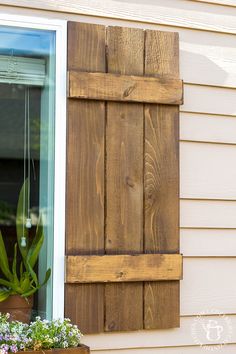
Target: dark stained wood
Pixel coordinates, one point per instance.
(123, 268)
(122, 179)
(91, 318)
(125, 88)
(162, 305)
(161, 179)
(81, 349)
(162, 54)
(124, 176)
(84, 304)
(86, 47)
(85, 177)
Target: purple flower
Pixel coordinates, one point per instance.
(13, 348)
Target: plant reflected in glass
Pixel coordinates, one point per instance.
(22, 279)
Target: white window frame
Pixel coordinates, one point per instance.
(60, 27)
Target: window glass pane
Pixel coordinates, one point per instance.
(27, 84)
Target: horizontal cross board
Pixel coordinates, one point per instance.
(125, 88)
(123, 268)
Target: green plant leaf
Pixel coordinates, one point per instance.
(21, 215)
(21, 269)
(36, 245)
(14, 272)
(4, 264)
(6, 283)
(32, 273)
(25, 282)
(30, 292)
(4, 294)
(47, 276)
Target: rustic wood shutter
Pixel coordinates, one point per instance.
(122, 215)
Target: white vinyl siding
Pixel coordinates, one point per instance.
(228, 349)
(179, 337)
(197, 242)
(181, 13)
(207, 128)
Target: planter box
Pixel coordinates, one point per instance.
(81, 349)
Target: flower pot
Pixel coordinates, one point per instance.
(18, 307)
(81, 349)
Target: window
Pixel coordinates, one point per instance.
(32, 142)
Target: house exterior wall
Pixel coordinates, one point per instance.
(207, 155)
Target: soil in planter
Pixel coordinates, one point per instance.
(19, 308)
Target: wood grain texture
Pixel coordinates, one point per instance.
(91, 318)
(81, 349)
(124, 198)
(86, 47)
(85, 178)
(125, 88)
(161, 181)
(133, 176)
(162, 302)
(84, 304)
(123, 268)
(162, 54)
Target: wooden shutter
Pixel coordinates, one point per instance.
(122, 216)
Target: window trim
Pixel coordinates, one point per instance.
(60, 27)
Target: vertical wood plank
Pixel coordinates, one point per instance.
(161, 181)
(84, 304)
(124, 178)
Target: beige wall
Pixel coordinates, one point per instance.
(208, 156)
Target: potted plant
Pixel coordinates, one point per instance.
(20, 280)
(44, 336)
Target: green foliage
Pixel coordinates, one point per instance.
(22, 281)
(21, 215)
